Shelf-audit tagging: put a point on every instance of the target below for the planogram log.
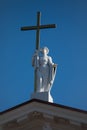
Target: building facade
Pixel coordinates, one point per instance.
(41, 115)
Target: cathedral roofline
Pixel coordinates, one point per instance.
(44, 102)
(46, 109)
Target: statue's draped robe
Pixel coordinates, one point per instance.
(45, 72)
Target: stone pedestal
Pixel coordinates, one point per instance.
(45, 96)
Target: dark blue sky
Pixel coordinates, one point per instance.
(67, 44)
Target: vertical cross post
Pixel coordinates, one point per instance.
(37, 47)
(38, 31)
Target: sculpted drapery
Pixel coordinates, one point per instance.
(46, 69)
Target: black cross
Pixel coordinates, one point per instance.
(37, 28)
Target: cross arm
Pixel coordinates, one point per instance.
(36, 27)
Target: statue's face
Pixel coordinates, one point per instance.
(44, 51)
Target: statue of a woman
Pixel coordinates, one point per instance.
(46, 69)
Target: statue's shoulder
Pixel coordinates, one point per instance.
(49, 57)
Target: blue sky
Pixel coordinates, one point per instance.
(67, 44)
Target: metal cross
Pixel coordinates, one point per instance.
(37, 28)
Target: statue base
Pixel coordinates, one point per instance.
(45, 96)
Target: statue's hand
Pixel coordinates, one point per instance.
(36, 53)
(54, 65)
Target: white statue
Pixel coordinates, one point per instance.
(46, 70)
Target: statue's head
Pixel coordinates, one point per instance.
(45, 50)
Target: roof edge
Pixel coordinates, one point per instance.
(44, 102)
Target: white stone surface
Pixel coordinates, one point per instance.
(45, 70)
(45, 96)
